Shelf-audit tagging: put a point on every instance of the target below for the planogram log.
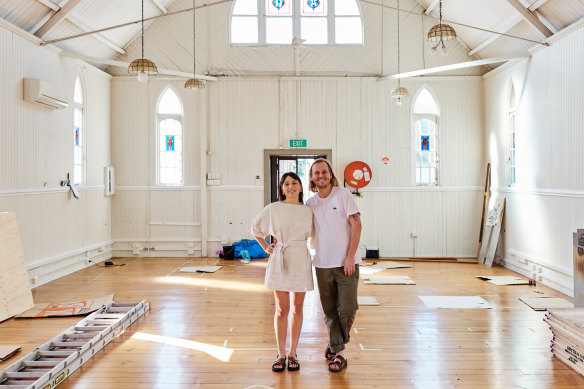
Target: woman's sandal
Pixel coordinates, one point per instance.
(279, 364)
(339, 362)
(293, 360)
(328, 354)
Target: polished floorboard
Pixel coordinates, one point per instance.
(215, 330)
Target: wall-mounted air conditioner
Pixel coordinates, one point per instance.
(39, 92)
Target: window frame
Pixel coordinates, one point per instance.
(296, 25)
(436, 118)
(159, 117)
(82, 131)
(512, 135)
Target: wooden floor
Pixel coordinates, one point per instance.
(215, 330)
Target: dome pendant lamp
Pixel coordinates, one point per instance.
(194, 83)
(142, 67)
(400, 92)
(440, 33)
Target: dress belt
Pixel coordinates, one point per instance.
(279, 252)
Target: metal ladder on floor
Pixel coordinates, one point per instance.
(49, 365)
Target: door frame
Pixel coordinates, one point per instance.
(284, 153)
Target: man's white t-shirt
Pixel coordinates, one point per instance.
(332, 228)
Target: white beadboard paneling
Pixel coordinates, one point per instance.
(37, 152)
(540, 217)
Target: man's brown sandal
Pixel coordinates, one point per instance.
(279, 364)
(339, 362)
(293, 363)
(328, 354)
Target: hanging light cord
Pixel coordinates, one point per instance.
(194, 40)
(398, 58)
(142, 28)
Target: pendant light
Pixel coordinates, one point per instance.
(142, 67)
(194, 83)
(440, 33)
(400, 92)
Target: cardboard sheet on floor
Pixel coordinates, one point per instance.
(384, 265)
(388, 280)
(75, 308)
(202, 269)
(6, 351)
(368, 270)
(15, 294)
(504, 280)
(457, 302)
(367, 300)
(543, 303)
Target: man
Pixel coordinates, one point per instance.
(337, 225)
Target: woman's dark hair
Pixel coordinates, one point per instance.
(334, 181)
(294, 176)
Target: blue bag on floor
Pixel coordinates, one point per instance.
(252, 246)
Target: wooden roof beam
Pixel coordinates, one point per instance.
(50, 4)
(97, 36)
(57, 18)
(431, 7)
(531, 18)
(160, 6)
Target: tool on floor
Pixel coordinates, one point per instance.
(51, 363)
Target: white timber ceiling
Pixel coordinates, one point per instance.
(485, 28)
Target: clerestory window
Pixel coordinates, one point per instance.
(309, 22)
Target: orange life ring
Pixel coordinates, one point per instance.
(358, 174)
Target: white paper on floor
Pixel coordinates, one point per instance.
(388, 280)
(202, 269)
(367, 300)
(543, 303)
(504, 280)
(465, 302)
(369, 270)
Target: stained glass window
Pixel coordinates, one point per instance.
(280, 22)
(170, 135)
(78, 131)
(425, 139)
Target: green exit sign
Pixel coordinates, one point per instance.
(298, 143)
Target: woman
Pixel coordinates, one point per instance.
(289, 272)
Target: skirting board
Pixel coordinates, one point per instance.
(50, 271)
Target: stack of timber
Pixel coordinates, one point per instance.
(567, 326)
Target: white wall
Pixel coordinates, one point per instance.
(36, 153)
(235, 119)
(546, 205)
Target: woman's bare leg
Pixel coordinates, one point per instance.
(281, 319)
(296, 303)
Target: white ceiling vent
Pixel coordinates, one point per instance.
(38, 92)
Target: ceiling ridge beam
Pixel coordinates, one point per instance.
(531, 18)
(57, 18)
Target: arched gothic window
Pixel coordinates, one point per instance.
(170, 118)
(425, 138)
(512, 115)
(79, 132)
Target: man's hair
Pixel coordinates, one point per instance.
(334, 181)
(294, 176)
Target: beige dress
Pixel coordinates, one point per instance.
(289, 267)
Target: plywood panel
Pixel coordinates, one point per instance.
(15, 295)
